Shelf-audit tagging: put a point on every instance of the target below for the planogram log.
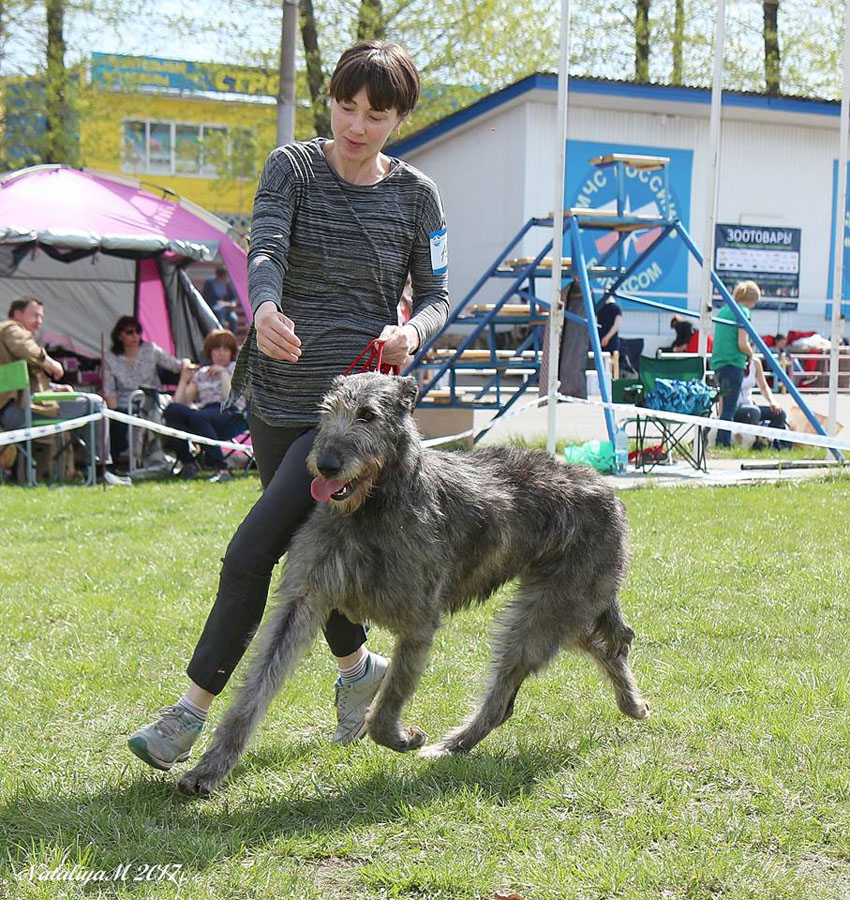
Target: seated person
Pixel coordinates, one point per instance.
(18, 341)
(749, 412)
(197, 404)
(793, 368)
(129, 364)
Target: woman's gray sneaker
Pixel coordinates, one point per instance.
(353, 700)
(169, 740)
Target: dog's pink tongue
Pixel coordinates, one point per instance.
(322, 488)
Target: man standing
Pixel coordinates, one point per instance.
(219, 294)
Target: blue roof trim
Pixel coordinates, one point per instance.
(666, 92)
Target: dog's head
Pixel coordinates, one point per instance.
(365, 422)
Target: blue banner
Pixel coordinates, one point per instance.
(665, 271)
(133, 72)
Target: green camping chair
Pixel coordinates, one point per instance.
(14, 376)
(688, 441)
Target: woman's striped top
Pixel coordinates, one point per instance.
(334, 257)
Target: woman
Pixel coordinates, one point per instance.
(131, 363)
(336, 228)
(772, 415)
(732, 353)
(197, 404)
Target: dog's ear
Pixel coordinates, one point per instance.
(408, 391)
(337, 383)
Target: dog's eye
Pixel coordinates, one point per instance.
(366, 415)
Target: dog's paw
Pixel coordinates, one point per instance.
(416, 737)
(401, 741)
(196, 784)
(636, 708)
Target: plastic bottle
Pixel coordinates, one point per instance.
(621, 451)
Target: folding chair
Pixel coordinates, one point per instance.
(689, 441)
(14, 376)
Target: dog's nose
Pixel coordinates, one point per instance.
(328, 465)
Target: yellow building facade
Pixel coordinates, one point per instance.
(200, 130)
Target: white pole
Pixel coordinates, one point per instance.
(711, 180)
(286, 89)
(838, 226)
(556, 313)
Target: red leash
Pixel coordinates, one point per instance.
(374, 362)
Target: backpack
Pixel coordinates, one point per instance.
(692, 397)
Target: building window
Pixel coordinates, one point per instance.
(173, 148)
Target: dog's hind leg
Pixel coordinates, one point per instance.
(288, 634)
(384, 717)
(522, 645)
(608, 644)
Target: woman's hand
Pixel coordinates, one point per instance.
(276, 333)
(111, 401)
(399, 342)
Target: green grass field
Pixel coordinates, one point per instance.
(737, 787)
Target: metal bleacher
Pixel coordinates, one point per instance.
(479, 373)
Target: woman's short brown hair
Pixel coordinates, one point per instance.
(220, 337)
(384, 69)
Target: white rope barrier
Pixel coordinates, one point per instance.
(136, 422)
(628, 410)
(23, 434)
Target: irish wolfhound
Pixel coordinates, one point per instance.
(403, 536)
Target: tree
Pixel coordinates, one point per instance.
(678, 41)
(57, 101)
(771, 45)
(315, 73)
(370, 20)
(642, 40)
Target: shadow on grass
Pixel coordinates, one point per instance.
(146, 819)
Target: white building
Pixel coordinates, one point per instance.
(494, 163)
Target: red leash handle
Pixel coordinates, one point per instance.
(374, 362)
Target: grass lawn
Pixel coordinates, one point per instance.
(737, 787)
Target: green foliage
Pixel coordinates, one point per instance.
(736, 788)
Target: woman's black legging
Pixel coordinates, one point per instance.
(259, 542)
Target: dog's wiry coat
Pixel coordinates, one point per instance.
(409, 535)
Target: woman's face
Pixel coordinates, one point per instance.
(221, 356)
(360, 131)
(131, 335)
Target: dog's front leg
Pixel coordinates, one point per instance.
(384, 717)
(288, 634)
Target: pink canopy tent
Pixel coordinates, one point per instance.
(95, 246)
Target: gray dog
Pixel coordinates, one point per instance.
(403, 536)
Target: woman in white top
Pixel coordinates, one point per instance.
(129, 364)
(197, 404)
(748, 411)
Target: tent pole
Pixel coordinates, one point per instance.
(711, 190)
(556, 315)
(839, 230)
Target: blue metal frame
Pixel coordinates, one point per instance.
(530, 272)
(760, 345)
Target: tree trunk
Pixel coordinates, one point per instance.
(370, 21)
(315, 75)
(771, 46)
(678, 41)
(642, 40)
(57, 138)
